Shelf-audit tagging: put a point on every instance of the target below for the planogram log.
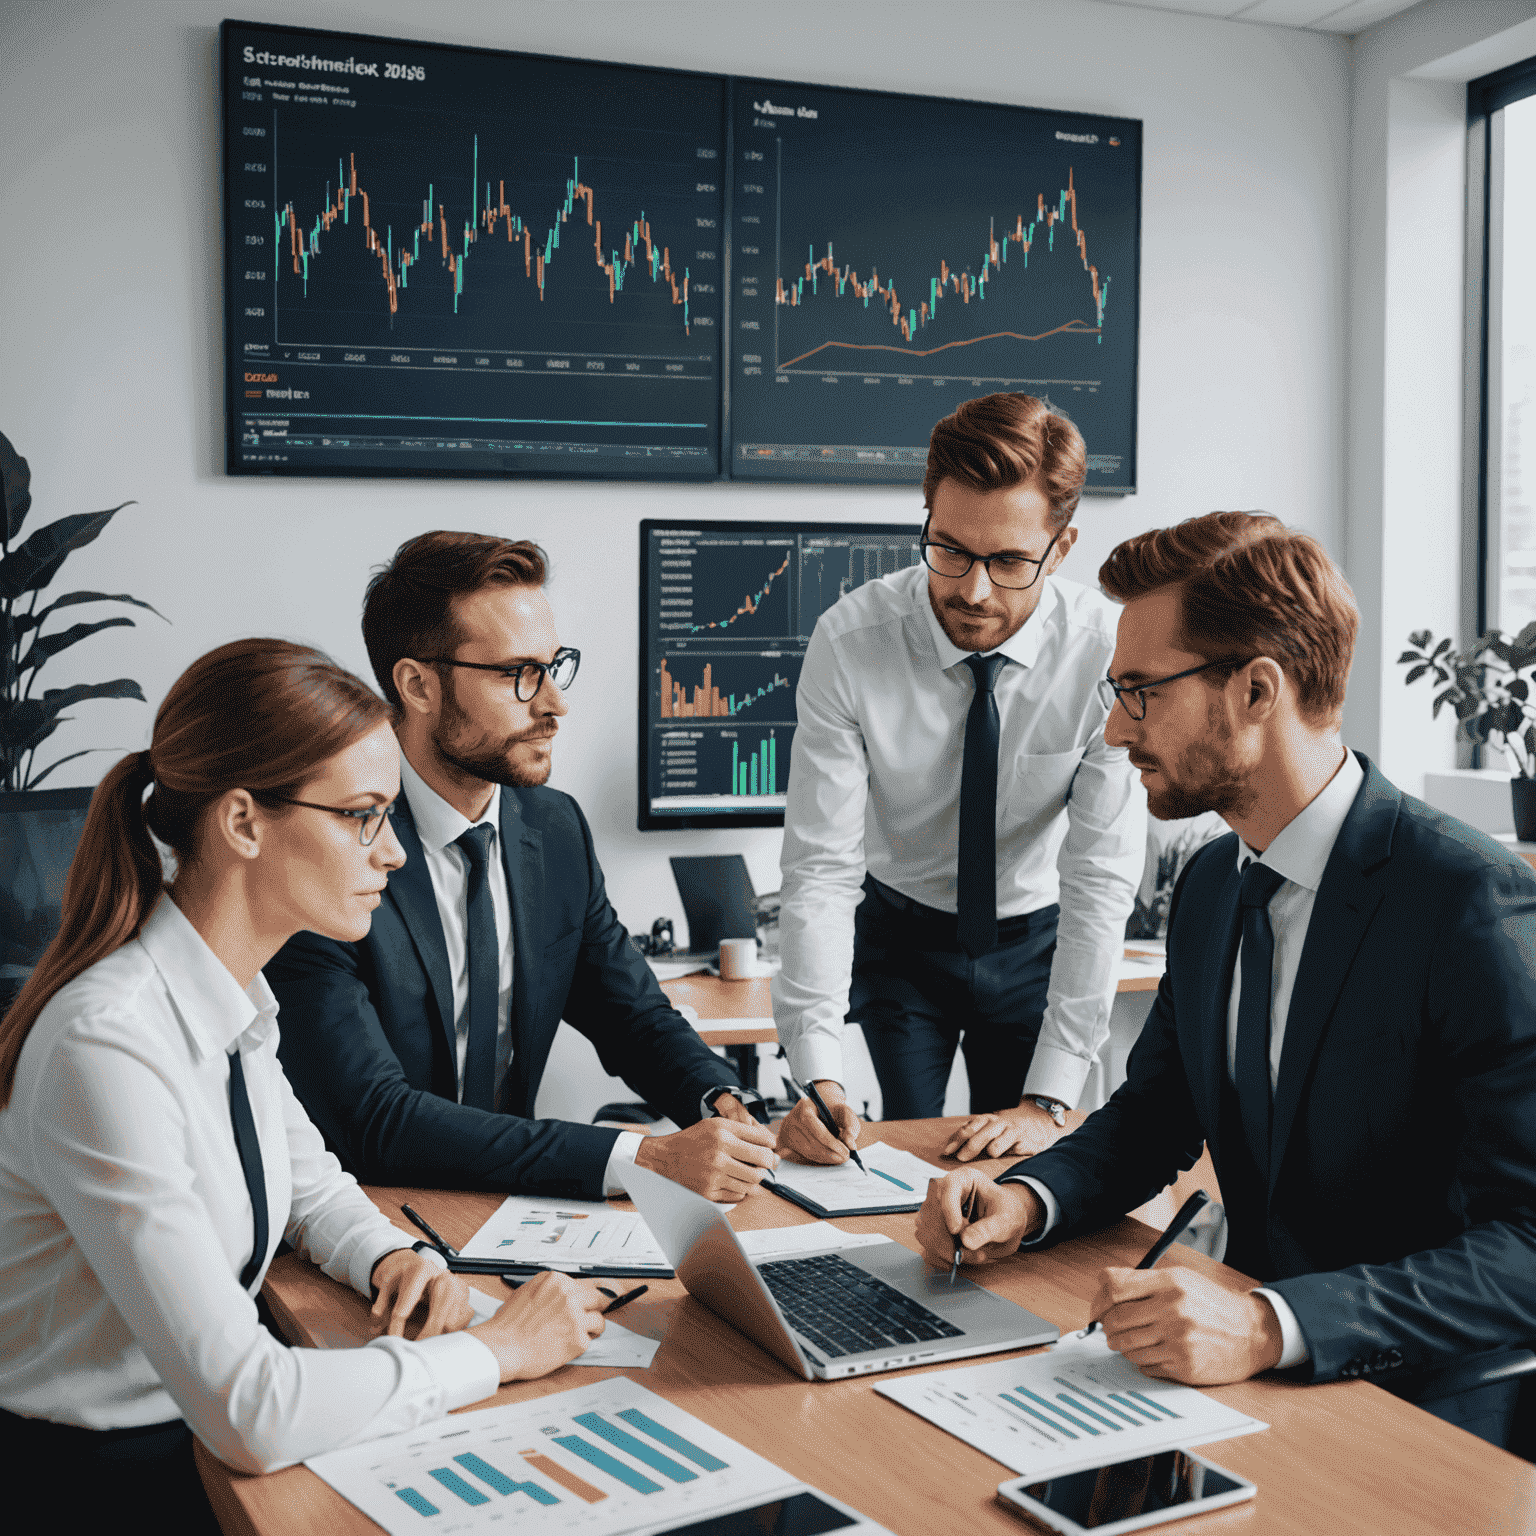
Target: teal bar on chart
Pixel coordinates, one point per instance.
(673, 1442)
(420, 1505)
(500, 1481)
(1061, 1429)
(627, 1443)
(456, 1484)
(606, 1463)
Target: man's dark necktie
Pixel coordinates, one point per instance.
(484, 972)
(976, 872)
(1252, 1066)
(249, 1149)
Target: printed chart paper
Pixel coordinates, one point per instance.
(617, 1345)
(601, 1460)
(812, 1237)
(566, 1234)
(896, 1181)
(1076, 1405)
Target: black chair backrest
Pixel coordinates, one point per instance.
(39, 832)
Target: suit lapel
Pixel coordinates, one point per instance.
(522, 853)
(1341, 914)
(1219, 958)
(410, 888)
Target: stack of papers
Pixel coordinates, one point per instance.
(896, 1181)
(1077, 1405)
(576, 1236)
(617, 1344)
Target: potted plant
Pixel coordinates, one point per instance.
(1492, 699)
(39, 828)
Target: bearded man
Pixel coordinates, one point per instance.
(419, 1050)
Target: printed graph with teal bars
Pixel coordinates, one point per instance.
(611, 1457)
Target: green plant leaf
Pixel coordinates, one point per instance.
(1519, 689)
(1500, 648)
(1526, 639)
(1444, 645)
(15, 487)
(25, 722)
(1449, 696)
(1417, 672)
(46, 646)
(24, 622)
(1467, 706)
(1421, 638)
(37, 778)
(35, 564)
(1408, 656)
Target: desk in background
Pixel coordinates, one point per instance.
(1341, 1457)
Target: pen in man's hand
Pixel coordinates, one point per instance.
(825, 1114)
(619, 1301)
(967, 1211)
(446, 1249)
(1191, 1208)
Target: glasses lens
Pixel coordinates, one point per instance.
(947, 562)
(1107, 692)
(370, 825)
(563, 670)
(1010, 573)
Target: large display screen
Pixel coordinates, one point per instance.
(727, 610)
(448, 260)
(893, 256)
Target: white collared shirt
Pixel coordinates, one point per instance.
(1300, 851)
(875, 784)
(440, 826)
(125, 1223)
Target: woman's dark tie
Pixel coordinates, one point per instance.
(249, 1149)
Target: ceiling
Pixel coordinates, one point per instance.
(1348, 16)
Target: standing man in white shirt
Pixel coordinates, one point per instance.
(961, 845)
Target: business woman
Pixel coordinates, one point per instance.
(152, 1154)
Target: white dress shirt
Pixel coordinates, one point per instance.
(125, 1223)
(440, 826)
(1300, 851)
(875, 784)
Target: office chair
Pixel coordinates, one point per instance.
(1424, 1385)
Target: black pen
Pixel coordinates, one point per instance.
(619, 1301)
(967, 1211)
(446, 1249)
(809, 1090)
(1191, 1208)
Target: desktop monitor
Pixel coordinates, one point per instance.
(726, 612)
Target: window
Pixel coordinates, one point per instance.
(1503, 107)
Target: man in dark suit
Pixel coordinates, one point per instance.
(1348, 1018)
(419, 1051)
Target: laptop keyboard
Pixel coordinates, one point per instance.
(844, 1310)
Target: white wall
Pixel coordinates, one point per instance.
(110, 323)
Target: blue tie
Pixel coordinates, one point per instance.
(249, 1149)
(484, 972)
(976, 868)
(1252, 1066)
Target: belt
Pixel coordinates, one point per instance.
(1009, 929)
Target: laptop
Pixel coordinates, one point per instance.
(717, 901)
(829, 1315)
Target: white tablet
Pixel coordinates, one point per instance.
(1126, 1495)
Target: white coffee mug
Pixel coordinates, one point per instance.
(738, 959)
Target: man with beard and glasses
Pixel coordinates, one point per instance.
(1347, 1021)
(419, 1050)
(961, 846)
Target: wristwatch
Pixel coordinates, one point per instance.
(750, 1099)
(1053, 1107)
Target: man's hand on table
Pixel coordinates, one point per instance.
(549, 1320)
(803, 1137)
(1002, 1216)
(722, 1158)
(404, 1279)
(1017, 1132)
(1177, 1324)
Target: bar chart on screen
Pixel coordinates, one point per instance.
(600, 1460)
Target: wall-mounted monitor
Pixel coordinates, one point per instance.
(727, 609)
(458, 261)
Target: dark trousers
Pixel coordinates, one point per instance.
(918, 995)
(104, 1480)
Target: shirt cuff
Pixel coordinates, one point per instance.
(1293, 1342)
(814, 1059)
(1052, 1209)
(365, 1260)
(465, 1369)
(625, 1146)
(1056, 1074)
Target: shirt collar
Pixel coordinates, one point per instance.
(438, 824)
(213, 1007)
(1023, 646)
(1301, 848)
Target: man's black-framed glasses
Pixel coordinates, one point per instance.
(370, 819)
(1014, 573)
(527, 676)
(1133, 698)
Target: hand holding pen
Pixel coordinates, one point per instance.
(814, 1133)
(1187, 1212)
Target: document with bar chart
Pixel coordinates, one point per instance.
(891, 1180)
(1076, 1405)
(601, 1460)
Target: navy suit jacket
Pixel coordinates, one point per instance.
(1399, 1216)
(367, 1029)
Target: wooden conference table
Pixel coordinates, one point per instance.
(1345, 1456)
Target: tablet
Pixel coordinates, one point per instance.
(1126, 1495)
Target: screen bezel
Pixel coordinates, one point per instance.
(1012, 1493)
(647, 820)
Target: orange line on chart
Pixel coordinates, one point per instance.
(1077, 327)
